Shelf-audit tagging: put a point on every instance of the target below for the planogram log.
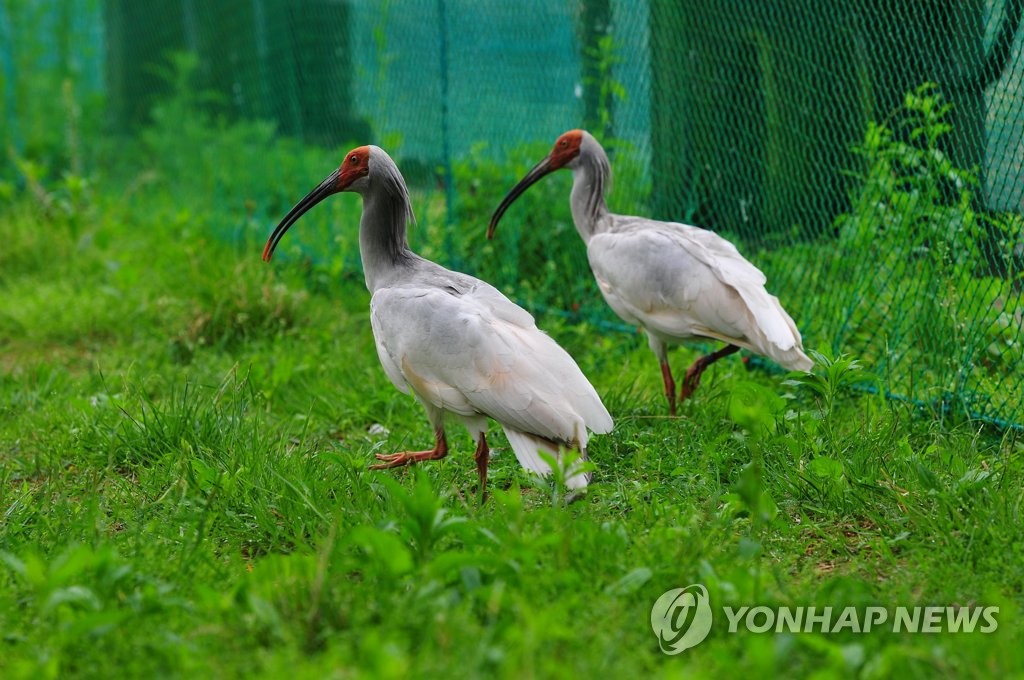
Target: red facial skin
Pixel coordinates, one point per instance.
(355, 165)
(566, 148)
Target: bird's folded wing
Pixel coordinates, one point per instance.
(473, 352)
(681, 281)
(732, 269)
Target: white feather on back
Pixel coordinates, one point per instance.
(476, 352)
(680, 281)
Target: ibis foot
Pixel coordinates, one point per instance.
(402, 458)
(692, 379)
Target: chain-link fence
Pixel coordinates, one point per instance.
(867, 154)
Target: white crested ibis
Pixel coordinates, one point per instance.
(455, 342)
(678, 282)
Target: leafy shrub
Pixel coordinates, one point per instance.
(241, 177)
(50, 107)
(903, 198)
(915, 251)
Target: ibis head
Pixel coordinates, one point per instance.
(354, 168)
(565, 151)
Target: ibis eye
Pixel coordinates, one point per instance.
(353, 159)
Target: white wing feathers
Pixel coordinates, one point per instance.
(475, 352)
(734, 270)
(692, 283)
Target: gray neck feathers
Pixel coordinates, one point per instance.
(591, 179)
(387, 209)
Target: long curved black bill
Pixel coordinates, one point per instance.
(538, 171)
(323, 190)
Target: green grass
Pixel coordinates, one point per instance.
(184, 437)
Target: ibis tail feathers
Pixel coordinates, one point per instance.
(526, 447)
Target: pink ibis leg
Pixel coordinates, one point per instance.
(481, 456)
(693, 373)
(390, 460)
(670, 386)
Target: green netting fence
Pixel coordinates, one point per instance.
(866, 154)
